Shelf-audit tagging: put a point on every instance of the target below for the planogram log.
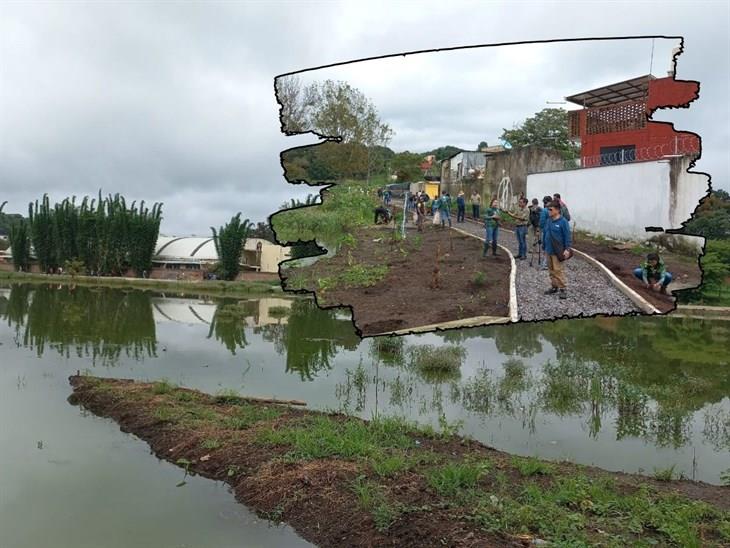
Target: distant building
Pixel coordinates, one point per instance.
(195, 253)
(613, 125)
(463, 165)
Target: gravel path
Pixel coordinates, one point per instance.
(589, 291)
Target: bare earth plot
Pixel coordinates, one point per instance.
(390, 285)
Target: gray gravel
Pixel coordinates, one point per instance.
(589, 291)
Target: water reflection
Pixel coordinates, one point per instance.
(663, 381)
(100, 324)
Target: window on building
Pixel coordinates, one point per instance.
(618, 155)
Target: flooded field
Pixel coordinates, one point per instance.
(625, 394)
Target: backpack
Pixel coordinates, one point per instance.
(535, 216)
(565, 213)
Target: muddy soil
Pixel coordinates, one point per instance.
(406, 297)
(316, 496)
(623, 262)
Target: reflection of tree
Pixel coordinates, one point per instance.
(95, 323)
(522, 340)
(672, 360)
(17, 306)
(229, 325)
(717, 428)
(312, 337)
(229, 322)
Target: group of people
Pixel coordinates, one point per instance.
(546, 226)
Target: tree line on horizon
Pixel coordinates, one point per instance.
(356, 145)
(102, 235)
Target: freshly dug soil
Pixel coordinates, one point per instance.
(316, 496)
(622, 264)
(406, 297)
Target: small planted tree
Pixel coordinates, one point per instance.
(229, 241)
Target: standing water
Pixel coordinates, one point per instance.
(626, 394)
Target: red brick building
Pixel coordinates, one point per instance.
(613, 125)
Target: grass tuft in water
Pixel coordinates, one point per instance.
(431, 358)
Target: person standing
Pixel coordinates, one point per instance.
(476, 201)
(491, 223)
(544, 217)
(420, 213)
(445, 208)
(461, 205)
(521, 221)
(563, 207)
(534, 228)
(557, 247)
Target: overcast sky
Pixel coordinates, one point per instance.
(174, 102)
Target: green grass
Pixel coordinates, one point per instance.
(561, 514)
(163, 387)
(211, 444)
(212, 288)
(354, 276)
(324, 436)
(371, 497)
(247, 415)
(450, 479)
(532, 467)
(664, 474)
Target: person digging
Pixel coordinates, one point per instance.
(556, 236)
(653, 274)
(382, 215)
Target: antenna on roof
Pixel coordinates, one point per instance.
(651, 59)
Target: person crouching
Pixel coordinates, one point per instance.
(653, 273)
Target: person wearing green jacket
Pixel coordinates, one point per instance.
(653, 273)
(491, 223)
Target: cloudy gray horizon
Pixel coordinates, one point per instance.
(174, 102)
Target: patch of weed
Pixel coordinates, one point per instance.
(211, 444)
(444, 358)
(163, 386)
(664, 474)
(371, 498)
(531, 466)
(449, 479)
(323, 436)
(247, 415)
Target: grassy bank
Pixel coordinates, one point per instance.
(213, 288)
(341, 481)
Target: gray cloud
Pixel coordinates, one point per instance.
(174, 101)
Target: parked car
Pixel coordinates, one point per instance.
(398, 190)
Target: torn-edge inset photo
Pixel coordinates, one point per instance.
(569, 203)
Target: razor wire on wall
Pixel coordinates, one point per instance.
(679, 146)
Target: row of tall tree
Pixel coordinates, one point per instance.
(104, 235)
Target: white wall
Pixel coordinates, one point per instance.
(690, 189)
(620, 201)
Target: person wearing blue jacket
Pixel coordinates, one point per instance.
(543, 219)
(557, 245)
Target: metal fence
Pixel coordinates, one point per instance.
(679, 146)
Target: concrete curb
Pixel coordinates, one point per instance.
(513, 313)
(644, 305)
(474, 321)
(635, 298)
